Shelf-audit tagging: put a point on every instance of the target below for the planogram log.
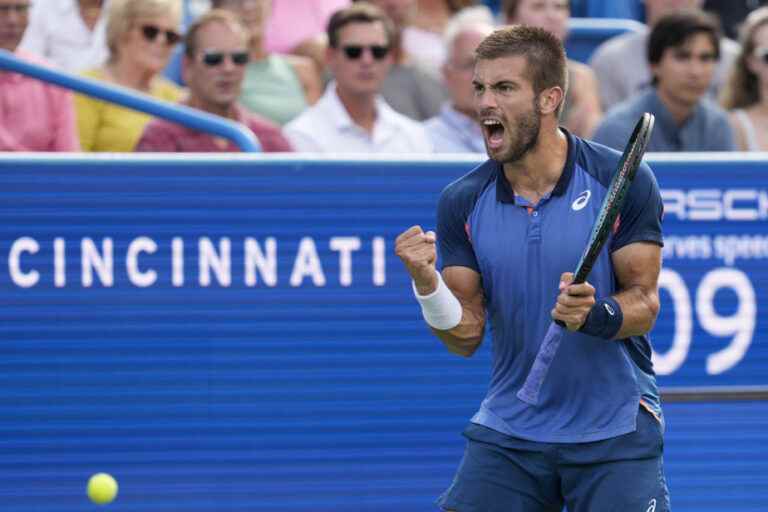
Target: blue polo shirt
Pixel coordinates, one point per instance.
(594, 386)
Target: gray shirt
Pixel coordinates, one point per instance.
(621, 66)
(707, 129)
(412, 92)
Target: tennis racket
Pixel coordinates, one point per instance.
(617, 191)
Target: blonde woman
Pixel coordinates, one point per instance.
(746, 93)
(141, 35)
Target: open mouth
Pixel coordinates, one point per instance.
(494, 132)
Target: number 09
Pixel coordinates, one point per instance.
(740, 326)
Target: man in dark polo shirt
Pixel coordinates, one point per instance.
(214, 67)
(508, 234)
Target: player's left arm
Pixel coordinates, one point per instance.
(636, 258)
(637, 268)
(636, 255)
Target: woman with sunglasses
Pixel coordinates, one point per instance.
(141, 35)
(746, 93)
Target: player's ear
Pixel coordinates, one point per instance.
(550, 100)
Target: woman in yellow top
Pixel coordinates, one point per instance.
(141, 35)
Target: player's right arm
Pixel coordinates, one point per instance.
(418, 253)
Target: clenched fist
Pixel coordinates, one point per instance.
(417, 251)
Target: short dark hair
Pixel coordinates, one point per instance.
(675, 29)
(213, 16)
(545, 57)
(358, 12)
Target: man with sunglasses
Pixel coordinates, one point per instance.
(216, 48)
(35, 116)
(351, 116)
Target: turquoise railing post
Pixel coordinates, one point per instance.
(193, 118)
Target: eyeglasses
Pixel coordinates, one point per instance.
(354, 52)
(216, 58)
(151, 32)
(20, 9)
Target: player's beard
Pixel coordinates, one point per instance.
(525, 136)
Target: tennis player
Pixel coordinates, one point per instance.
(507, 234)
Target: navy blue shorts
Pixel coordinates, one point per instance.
(500, 473)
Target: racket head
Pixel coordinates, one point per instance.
(617, 191)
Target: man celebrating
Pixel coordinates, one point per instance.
(507, 233)
(214, 67)
(351, 117)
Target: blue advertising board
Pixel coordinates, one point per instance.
(715, 277)
(235, 333)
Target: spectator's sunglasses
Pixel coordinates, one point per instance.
(354, 52)
(20, 8)
(212, 59)
(151, 33)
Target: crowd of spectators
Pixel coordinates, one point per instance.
(365, 76)
(215, 58)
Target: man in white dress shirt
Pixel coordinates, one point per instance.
(68, 33)
(351, 116)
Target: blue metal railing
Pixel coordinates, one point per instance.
(195, 119)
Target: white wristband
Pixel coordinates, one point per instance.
(441, 309)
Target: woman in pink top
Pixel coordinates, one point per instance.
(299, 27)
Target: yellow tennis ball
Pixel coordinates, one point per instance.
(102, 488)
